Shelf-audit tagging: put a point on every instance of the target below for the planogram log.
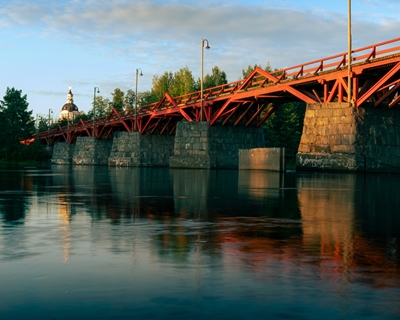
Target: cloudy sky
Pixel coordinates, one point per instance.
(47, 46)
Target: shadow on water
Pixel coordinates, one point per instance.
(14, 188)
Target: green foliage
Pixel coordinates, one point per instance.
(82, 116)
(182, 83)
(129, 100)
(16, 124)
(118, 99)
(43, 124)
(146, 97)
(246, 72)
(284, 127)
(217, 77)
(161, 85)
(102, 108)
(177, 84)
(35, 152)
(62, 123)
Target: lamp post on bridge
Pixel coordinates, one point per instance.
(203, 41)
(136, 96)
(48, 127)
(94, 106)
(349, 60)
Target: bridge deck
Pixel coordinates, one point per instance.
(374, 74)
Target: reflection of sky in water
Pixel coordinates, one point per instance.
(107, 242)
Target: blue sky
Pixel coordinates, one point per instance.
(47, 46)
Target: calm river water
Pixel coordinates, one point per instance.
(125, 243)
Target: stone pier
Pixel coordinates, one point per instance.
(133, 149)
(91, 151)
(337, 137)
(62, 153)
(197, 145)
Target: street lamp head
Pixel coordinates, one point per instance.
(207, 44)
(141, 73)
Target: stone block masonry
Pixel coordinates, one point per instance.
(337, 137)
(136, 150)
(197, 145)
(62, 153)
(91, 151)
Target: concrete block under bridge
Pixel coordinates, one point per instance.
(271, 159)
(337, 137)
(199, 145)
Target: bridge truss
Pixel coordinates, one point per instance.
(375, 76)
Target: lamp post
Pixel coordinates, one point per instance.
(203, 41)
(136, 96)
(94, 105)
(48, 127)
(349, 40)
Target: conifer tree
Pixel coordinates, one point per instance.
(16, 123)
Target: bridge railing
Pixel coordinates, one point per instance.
(311, 68)
(332, 63)
(360, 55)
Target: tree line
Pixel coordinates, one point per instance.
(282, 129)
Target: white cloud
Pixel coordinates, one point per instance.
(158, 36)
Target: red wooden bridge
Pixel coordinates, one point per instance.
(375, 76)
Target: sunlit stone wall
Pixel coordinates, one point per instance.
(337, 137)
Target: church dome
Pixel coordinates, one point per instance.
(69, 109)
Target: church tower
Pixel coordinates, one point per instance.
(70, 109)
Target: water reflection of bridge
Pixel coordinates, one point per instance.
(244, 210)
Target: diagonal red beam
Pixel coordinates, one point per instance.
(142, 130)
(268, 114)
(256, 114)
(242, 115)
(230, 114)
(115, 111)
(332, 92)
(387, 94)
(185, 115)
(377, 85)
(257, 70)
(155, 126)
(394, 102)
(85, 128)
(298, 94)
(165, 126)
(220, 111)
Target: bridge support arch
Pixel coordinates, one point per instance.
(337, 137)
